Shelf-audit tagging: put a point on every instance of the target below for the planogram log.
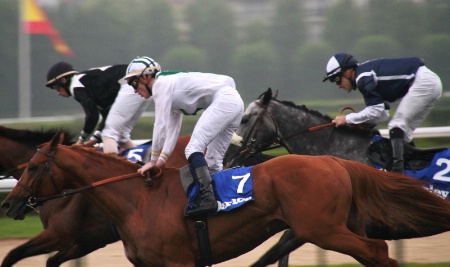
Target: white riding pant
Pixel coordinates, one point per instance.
(415, 106)
(125, 112)
(215, 128)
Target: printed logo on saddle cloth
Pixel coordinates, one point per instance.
(233, 188)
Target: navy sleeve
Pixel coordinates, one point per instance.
(367, 86)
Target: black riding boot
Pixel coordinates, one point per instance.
(397, 136)
(205, 202)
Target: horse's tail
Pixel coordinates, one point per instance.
(396, 201)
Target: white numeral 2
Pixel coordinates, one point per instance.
(440, 175)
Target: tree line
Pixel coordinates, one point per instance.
(207, 35)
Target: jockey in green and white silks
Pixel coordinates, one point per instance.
(179, 93)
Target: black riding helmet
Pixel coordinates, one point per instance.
(58, 71)
(338, 64)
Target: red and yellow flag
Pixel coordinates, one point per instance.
(35, 21)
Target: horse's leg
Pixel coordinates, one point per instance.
(280, 251)
(74, 252)
(369, 252)
(40, 244)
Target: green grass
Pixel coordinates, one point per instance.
(27, 228)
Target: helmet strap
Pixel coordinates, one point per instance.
(65, 84)
(149, 90)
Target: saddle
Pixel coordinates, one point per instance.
(380, 153)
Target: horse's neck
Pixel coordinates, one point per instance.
(293, 128)
(114, 198)
(325, 141)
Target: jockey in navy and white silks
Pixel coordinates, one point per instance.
(407, 80)
(178, 93)
(98, 90)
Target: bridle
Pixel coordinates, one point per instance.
(34, 201)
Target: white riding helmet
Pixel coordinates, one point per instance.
(141, 66)
(338, 64)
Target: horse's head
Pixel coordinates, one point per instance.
(256, 132)
(33, 182)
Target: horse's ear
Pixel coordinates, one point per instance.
(267, 96)
(276, 94)
(57, 139)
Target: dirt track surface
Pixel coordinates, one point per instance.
(430, 249)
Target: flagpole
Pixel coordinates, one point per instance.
(24, 71)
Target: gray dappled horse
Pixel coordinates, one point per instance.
(269, 122)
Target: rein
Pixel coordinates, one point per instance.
(35, 201)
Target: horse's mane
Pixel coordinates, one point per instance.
(95, 152)
(304, 108)
(35, 137)
(345, 128)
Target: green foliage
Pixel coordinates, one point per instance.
(310, 70)
(185, 57)
(103, 32)
(287, 34)
(398, 19)
(159, 29)
(212, 30)
(376, 46)
(253, 67)
(343, 26)
(434, 48)
(255, 31)
(436, 18)
(8, 57)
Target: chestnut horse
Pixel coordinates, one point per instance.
(312, 195)
(72, 226)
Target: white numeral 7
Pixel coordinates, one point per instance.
(244, 178)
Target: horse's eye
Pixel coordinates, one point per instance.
(244, 119)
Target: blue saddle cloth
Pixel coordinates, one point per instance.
(437, 174)
(233, 188)
(139, 153)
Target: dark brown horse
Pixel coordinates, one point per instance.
(313, 195)
(72, 226)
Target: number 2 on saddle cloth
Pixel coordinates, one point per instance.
(430, 165)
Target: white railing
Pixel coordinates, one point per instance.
(6, 185)
(425, 132)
